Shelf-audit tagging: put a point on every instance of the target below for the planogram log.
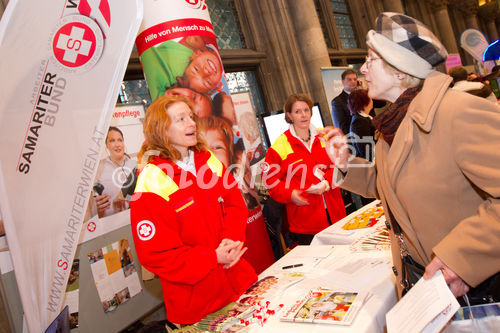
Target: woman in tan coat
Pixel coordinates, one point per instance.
(437, 164)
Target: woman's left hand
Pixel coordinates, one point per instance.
(235, 253)
(457, 286)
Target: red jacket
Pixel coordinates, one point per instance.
(176, 229)
(289, 157)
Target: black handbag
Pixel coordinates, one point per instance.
(411, 271)
(486, 292)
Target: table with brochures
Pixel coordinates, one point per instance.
(360, 264)
(341, 270)
(333, 285)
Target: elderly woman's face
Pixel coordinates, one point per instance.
(382, 83)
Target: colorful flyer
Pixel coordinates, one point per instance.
(115, 274)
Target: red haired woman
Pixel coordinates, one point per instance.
(188, 224)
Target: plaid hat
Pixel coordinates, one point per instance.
(406, 44)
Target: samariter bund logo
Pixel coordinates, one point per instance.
(77, 43)
(197, 4)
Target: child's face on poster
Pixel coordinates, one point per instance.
(204, 72)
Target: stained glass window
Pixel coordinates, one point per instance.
(344, 24)
(226, 24)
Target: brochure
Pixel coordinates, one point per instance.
(365, 219)
(379, 240)
(254, 307)
(427, 307)
(326, 306)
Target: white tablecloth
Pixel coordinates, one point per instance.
(368, 271)
(342, 269)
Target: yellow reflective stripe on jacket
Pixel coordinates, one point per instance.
(282, 146)
(184, 206)
(153, 180)
(297, 161)
(214, 164)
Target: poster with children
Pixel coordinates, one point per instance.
(115, 274)
(179, 56)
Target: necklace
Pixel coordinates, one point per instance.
(308, 138)
(117, 165)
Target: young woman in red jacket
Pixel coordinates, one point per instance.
(297, 173)
(188, 216)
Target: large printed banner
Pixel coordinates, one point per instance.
(62, 65)
(179, 55)
(114, 178)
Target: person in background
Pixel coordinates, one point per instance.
(459, 75)
(296, 172)
(360, 105)
(340, 112)
(188, 217)
(362, 129)
(437, 162)
(112, 174)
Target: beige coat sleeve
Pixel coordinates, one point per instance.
(472, 248)
(361, 178)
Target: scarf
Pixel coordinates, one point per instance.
(387, 123)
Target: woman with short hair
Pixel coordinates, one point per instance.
(296, 171)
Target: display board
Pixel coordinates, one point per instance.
(332, 82)
(92, 317)
(54, 106)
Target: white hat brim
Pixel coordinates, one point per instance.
(398, 56)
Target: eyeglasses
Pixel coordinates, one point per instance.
(368, 60)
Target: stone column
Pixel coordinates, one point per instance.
(469, 9)
(440, 11)
(488, 12)
(311, 43)
(393, 6)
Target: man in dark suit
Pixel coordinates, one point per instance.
(340, 112)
